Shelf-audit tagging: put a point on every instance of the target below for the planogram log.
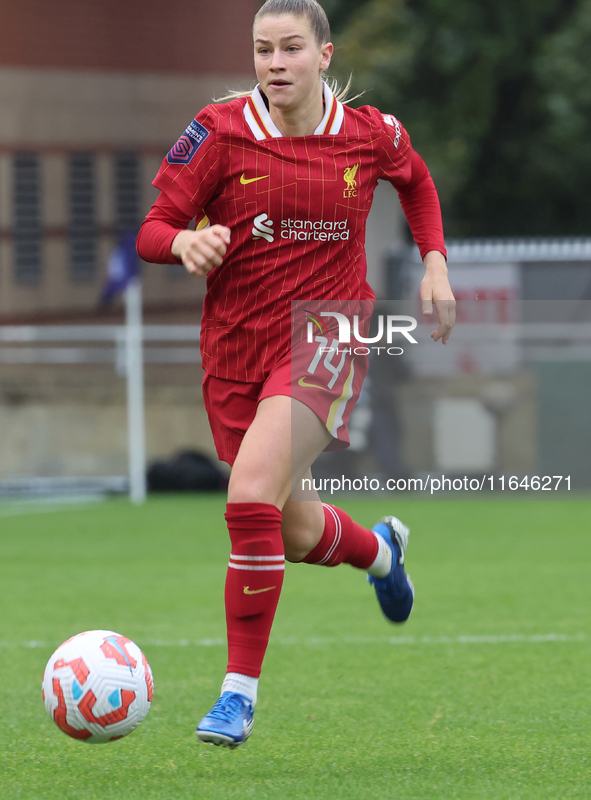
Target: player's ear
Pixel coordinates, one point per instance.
(326, 52)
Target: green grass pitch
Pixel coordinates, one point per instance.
(484, 693)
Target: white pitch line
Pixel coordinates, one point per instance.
(314, 641)
(48, 506)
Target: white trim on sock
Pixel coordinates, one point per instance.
(383, 561)
(243, 684)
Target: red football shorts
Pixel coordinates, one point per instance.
(325, 377)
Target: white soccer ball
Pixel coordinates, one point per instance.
(97, 686)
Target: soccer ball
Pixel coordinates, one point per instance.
(97, 686)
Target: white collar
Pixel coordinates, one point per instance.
(262, 126)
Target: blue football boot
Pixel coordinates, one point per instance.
(229, 723)
(395, 592)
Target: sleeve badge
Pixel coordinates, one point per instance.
(188, 144)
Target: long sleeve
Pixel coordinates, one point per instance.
(158, 230)
(420, 203)
(403, 167)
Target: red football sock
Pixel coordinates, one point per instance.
(253, 582)
(343, 540)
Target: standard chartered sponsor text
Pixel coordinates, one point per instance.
(319, 230)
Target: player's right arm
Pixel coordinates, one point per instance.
(201, 251)
(187, 179)
(164, 239)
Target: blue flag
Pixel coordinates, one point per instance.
(122, 268)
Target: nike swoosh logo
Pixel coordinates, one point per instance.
(244, 181)
(258, 591)
(302, 382)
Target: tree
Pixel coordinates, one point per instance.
(496, 95)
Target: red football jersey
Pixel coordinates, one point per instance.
(296, 207)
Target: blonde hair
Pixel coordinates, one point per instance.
(316, 16)
(310, 9)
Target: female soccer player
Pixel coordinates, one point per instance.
(280, 182)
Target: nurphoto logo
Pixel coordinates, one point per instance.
(390, 324)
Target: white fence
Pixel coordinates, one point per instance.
(81, 344)
(126, 349)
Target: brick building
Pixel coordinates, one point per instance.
(92, 95)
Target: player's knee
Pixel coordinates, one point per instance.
(252, 489)
(297, 542)
(294, 553)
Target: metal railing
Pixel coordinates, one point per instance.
(19, 344)
(81, 344)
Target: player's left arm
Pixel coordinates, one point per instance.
(420, 204)
(408, 173)
(421, 207)
(436, 292)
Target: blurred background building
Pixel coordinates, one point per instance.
(92, 96)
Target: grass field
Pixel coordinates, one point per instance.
(484, 693)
